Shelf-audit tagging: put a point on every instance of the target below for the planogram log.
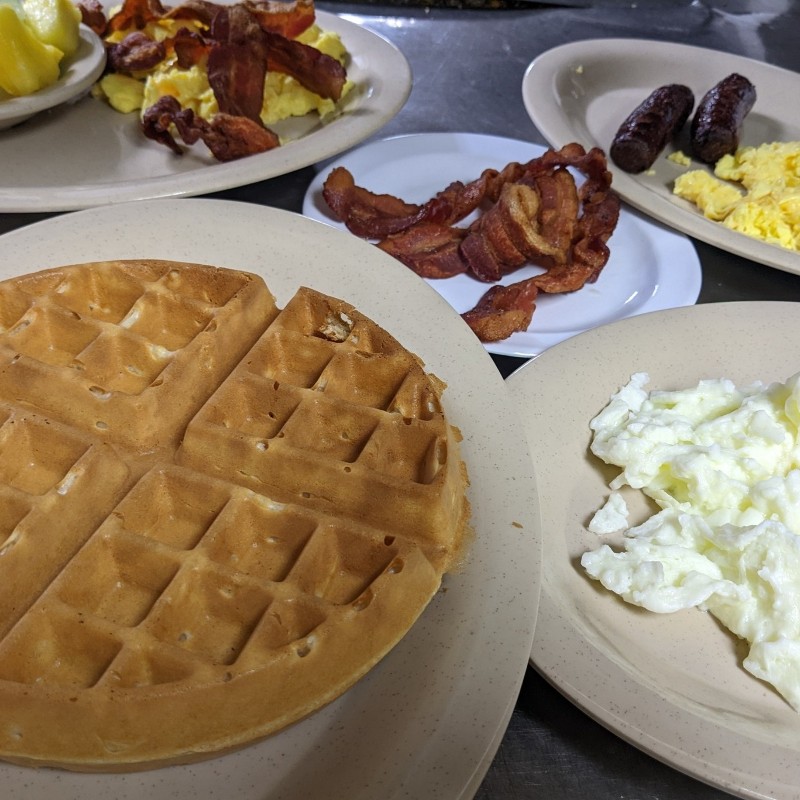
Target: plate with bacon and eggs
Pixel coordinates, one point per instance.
(648, 267)
(88, 154)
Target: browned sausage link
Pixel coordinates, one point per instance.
(718, 121)
(645, 133)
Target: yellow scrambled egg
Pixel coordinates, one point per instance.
(283, 96)
(756, 191)
(35, 35)
(722, 463)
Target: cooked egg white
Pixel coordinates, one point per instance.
(723, 465)
(756, 191)
(284, 97)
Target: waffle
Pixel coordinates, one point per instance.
(216, 515)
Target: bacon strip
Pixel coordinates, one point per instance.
(531, 213)
(135, 52)
(237, 63)
(429, 249)
(503, 310)
(362, 211)
(316, 71)
(93, 16)
(227, 137)
(289, 19)
(135, 14)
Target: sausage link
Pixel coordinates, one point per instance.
(645, 133)
(718, 120)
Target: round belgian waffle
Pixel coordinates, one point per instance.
(216, 515)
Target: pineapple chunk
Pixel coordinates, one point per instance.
(26, 64)
(54, 22)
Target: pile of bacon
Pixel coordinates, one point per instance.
(239, 44)
(532, 213)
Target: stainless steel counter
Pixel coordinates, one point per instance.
(468, 65)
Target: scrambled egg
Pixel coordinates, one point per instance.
(767, 206)
(723, 465)
(35, 35)
(679, 157)
(283, 96)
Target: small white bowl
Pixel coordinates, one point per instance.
(78, 72)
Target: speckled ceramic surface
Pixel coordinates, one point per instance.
(584, 90)
(651, 267)
(78, 72)
(671, 684)
(426, 722)
(87, 154)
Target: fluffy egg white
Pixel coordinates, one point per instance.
(723, 465)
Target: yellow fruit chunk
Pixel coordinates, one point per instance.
(54, 22)
(26, 64)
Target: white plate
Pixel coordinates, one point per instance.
(584, 90)
(426, 721)
(87, 154)
(78, 72)
(650, 267)
(672, 685)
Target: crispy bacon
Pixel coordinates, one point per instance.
(531, 213)
(135, 52)
(362, 211)
(93, 16)
(201, 11)
(316, 71)
(237, 63)
(238, 44)
(429, 249)
(374, 216)
(503, 310)
(527, 223)
(227, 137)
(289, 19)
(190, 48)
(157, 120)
(135, 14)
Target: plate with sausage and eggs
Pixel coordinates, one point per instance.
(585, 90)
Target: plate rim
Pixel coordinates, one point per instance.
(545, 111)
(465, 403)
(687, 288)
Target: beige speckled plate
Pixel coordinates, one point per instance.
(86, 154)
(582, 91)
(672, 685)
(426, 722)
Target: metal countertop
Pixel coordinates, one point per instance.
(468, 59)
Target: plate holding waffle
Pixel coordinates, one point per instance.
(444, 693)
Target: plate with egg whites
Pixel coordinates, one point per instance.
(86, 154)
(585, 90)
(676, 685)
